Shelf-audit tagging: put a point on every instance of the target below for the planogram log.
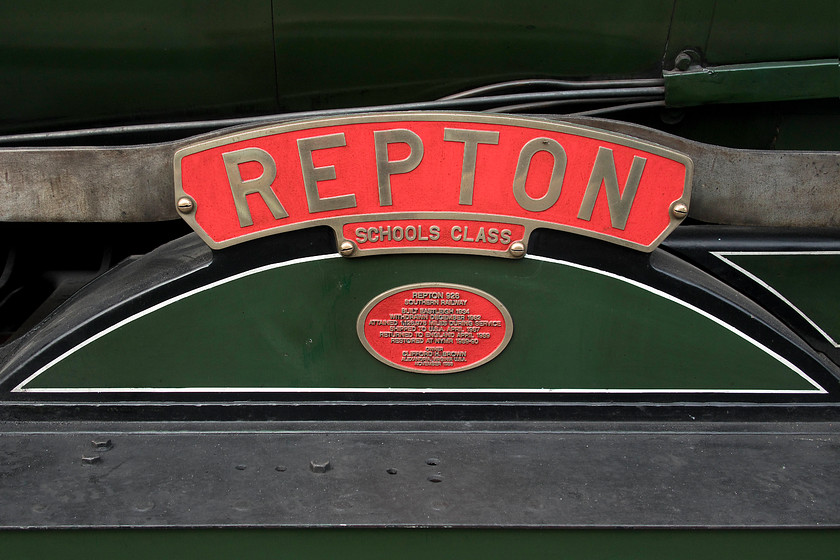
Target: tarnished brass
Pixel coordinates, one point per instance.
(471, 140)
(312, 174)
(386, 167)
(530, 149)
(262, 184)
(434, 328)
(603, 173)
(430, 225)
(679, 210)
(186, 205)
(347, 248)
(517, 249)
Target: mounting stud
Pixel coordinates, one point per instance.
(185, 205)
(517, 249)
(347, 248)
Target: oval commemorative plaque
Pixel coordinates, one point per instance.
(434, 327)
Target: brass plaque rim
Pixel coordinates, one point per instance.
(506, 338)
(337, 223)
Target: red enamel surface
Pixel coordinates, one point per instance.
(464, 234)
(455, 330)
(434, 186)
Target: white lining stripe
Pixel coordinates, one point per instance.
(709, 316)
(723, 254)
(154, 308)
(787, 363)
(412, 390)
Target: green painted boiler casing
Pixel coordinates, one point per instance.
(92, 63)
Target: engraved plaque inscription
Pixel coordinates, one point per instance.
(434, 327)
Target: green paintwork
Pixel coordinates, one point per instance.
(90, 60)
(94, 62)
(338, 53)
(750, 83)
(295, 326)
(411, 544)
(809, 282)
(690, 26)
(754, 30)
(762, 30)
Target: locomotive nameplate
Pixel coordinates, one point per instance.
(449, 182)
(434, 327)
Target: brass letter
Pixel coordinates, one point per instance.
(385, 168)
(471, 140)
(558, 170)
(312, 174)
(604, 173)
(261, 184)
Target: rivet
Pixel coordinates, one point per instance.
(102, 444)
(517, 249)
(186, 205)
(93, 459)
(347, 248)
(319, 466)
(679, 210)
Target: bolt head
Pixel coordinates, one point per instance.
(686, 59)
(319, 466)
(517, 249)
(102, 444)
(679, 210)
(347, 248)
(185, 205)
(682, 61)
